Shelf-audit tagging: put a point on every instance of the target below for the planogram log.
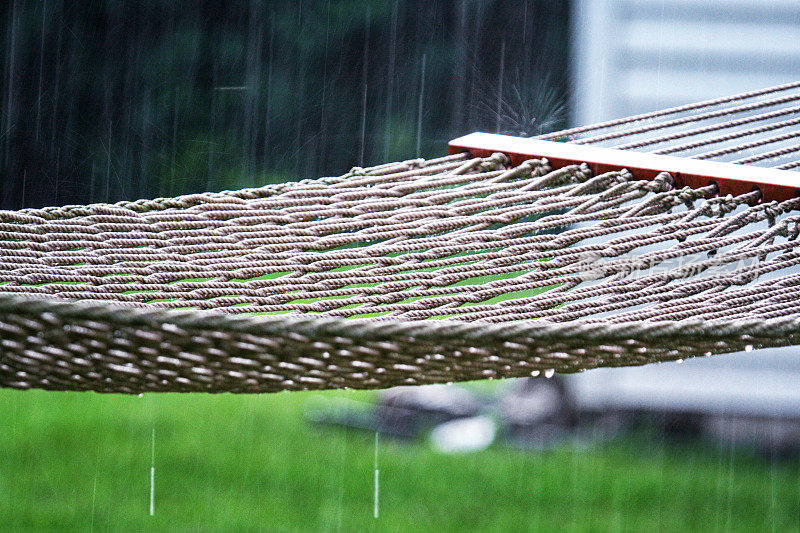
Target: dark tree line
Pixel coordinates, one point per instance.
(110, 99)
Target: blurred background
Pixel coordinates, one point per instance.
(107, 100)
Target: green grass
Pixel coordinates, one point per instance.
(80, 461)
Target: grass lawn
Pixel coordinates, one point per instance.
(81, 461)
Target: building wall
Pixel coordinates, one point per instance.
(633, 56)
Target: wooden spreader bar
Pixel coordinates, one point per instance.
(730, 178)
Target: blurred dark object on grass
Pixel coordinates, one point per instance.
(539, 414)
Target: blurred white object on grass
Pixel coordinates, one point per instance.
(464, 435)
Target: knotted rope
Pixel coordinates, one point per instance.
(414, 272)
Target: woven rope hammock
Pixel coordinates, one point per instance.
(475, 265)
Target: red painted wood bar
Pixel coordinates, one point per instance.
(730, 178)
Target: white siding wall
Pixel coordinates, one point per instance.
(633, 56)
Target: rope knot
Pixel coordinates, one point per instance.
(577, 174)
(584, 172)
(772, 211)
(687, 196)
(355, 171)
(415, 163)
(541, 167)
(495, 161)
(792, 228)
(664, 182)
(623, 176)
(723, 205)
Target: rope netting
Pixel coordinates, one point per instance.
(415, 272)
(757, 128)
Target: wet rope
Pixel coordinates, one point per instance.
(408, 273)
(714, 122)
(789, 166)
(670, 111)
(718, 137)
(768, 155)
(689, 119)
(750, 145)
(411, 272)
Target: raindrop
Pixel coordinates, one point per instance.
(364, 79)
(376, 494)
(419, 106)
(153, 472)
(390, 75)
(500, 84)
(94, 495)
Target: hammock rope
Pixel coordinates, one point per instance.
(413, 272)
(417, 272)
(714, 122)
(671, 111)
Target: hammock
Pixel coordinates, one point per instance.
(480, 264)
